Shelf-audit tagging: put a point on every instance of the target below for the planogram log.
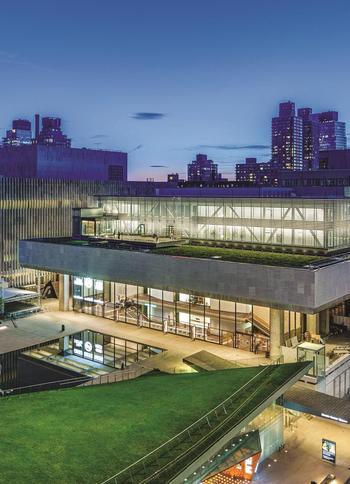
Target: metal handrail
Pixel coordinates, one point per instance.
(115, 377)
(36, 385)
(85, 380)
(186, 430)
(205, 437)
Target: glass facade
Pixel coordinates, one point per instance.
(300, 223)
(230, 323)
(108, 350)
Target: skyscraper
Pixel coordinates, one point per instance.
(311, 144)
(332, 131)
(287, 138)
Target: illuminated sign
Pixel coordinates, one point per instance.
(88, 350)
(98, 348)
(88, 282)
(331, 417)
(99, 285)
(77, 347)
(328, 450)
(249, 466)
(88, 346)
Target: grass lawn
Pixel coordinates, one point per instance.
(85, 435)
(239, 255)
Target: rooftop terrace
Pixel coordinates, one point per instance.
(239, 255)
(181, 248)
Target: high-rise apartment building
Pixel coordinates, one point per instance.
(202, 169)
(20, 134)
(287, 138)
(332, 131)
(311, 134)
(51, 133)
(252, 172)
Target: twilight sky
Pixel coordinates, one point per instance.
(166, 79)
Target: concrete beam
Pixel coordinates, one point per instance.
(303, 290)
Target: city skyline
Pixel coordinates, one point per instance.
(136, 78)
(175, 242)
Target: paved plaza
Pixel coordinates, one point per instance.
(300, 461)
(47, 324)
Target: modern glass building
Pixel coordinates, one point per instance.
(301, 224)
(231, 323)
(113, 267)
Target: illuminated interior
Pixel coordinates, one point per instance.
(231, 323)
(243, 472)
(321, 224)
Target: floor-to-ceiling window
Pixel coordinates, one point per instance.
(298, 222)
(292, 325)
(230, 323)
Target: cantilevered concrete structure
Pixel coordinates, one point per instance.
(170, 264)
(255, 307)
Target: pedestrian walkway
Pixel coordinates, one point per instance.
(300, 461)
(47, 326)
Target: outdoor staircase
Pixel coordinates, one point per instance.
(130, 373)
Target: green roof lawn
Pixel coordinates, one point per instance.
(239, 255)
(85, 435)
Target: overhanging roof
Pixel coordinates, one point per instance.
(306, 290)
(317, 403)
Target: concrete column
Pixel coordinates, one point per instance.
(276, 331)
(63, 292)
(312, 323)
(323, 317)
